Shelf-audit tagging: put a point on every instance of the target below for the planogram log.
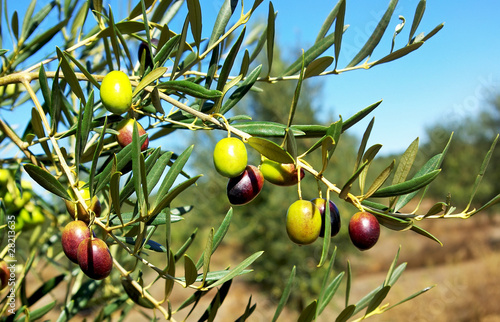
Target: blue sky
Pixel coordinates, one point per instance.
(448, 79)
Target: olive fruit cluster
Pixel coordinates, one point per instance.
(90, 253)
(230, 160)
(18, 202)
(305, 220)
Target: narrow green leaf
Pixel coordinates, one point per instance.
(377, 34)
(46, 288)
(339, 30)
(164, 53)
(271, 19)
(28, 20)
(433, 32)
(295, 99)
(149, 78)
(308, 314)
(146, 244)
(190, 271)
(137, 10)
(83, 69)
(70, 77)
(432, 164)
(38, 129)
(407, 186)
(417, 17)
(248, 311)
(326, 240)
(326, 277)
(14, 21)
(270, 150)
(346, 313)
(242, 90)
(318, 66)
(394, 223)
(291, 143)
(238, 269)
(229, 61)
(348, 185)
(377, 299)
(328, 22)
(207, 254)
(265, 129)
(423, 232)
(190, 88)
(156, 172)
(213, 307)
(405, 165)
(38, 313)
(219, 234)
(379, 181)
(113, 37)
(359, 116)
(398, 53)
(225, 13)
(368, 158)
(46, 180)
(411, 297)
(362, 145)
(482, 170)
(392, 267)
(348, 284)
(182, 250)
(136, 296)
(194, 13)
(123, 156)
(330, 291)
(44, 85)
(172, 174)
(167, 199)
(180, 49)
(161, 219)
(311, 54)
(285, 295)
(490, 203)
(160, 11)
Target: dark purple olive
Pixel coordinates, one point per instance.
(364, 230)
(245, 187)
(334, 217)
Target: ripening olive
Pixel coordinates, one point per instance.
(4, 274)
(303, 222)
(244, 188)
(125, 133)
(94, 258)
(281, 174)
(230, 157)
(73, 234)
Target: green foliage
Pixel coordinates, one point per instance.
(154, 201)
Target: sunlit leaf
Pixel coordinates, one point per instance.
(318, 66)
(270, 150)
(419, 13)
(375, 37)
(238, 269)
(284, 295)
(46, 180)
(407, 186)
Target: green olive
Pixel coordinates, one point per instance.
(281, 174)
(230, 157)
(76, 210)
(303, 222)
(116, 92)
